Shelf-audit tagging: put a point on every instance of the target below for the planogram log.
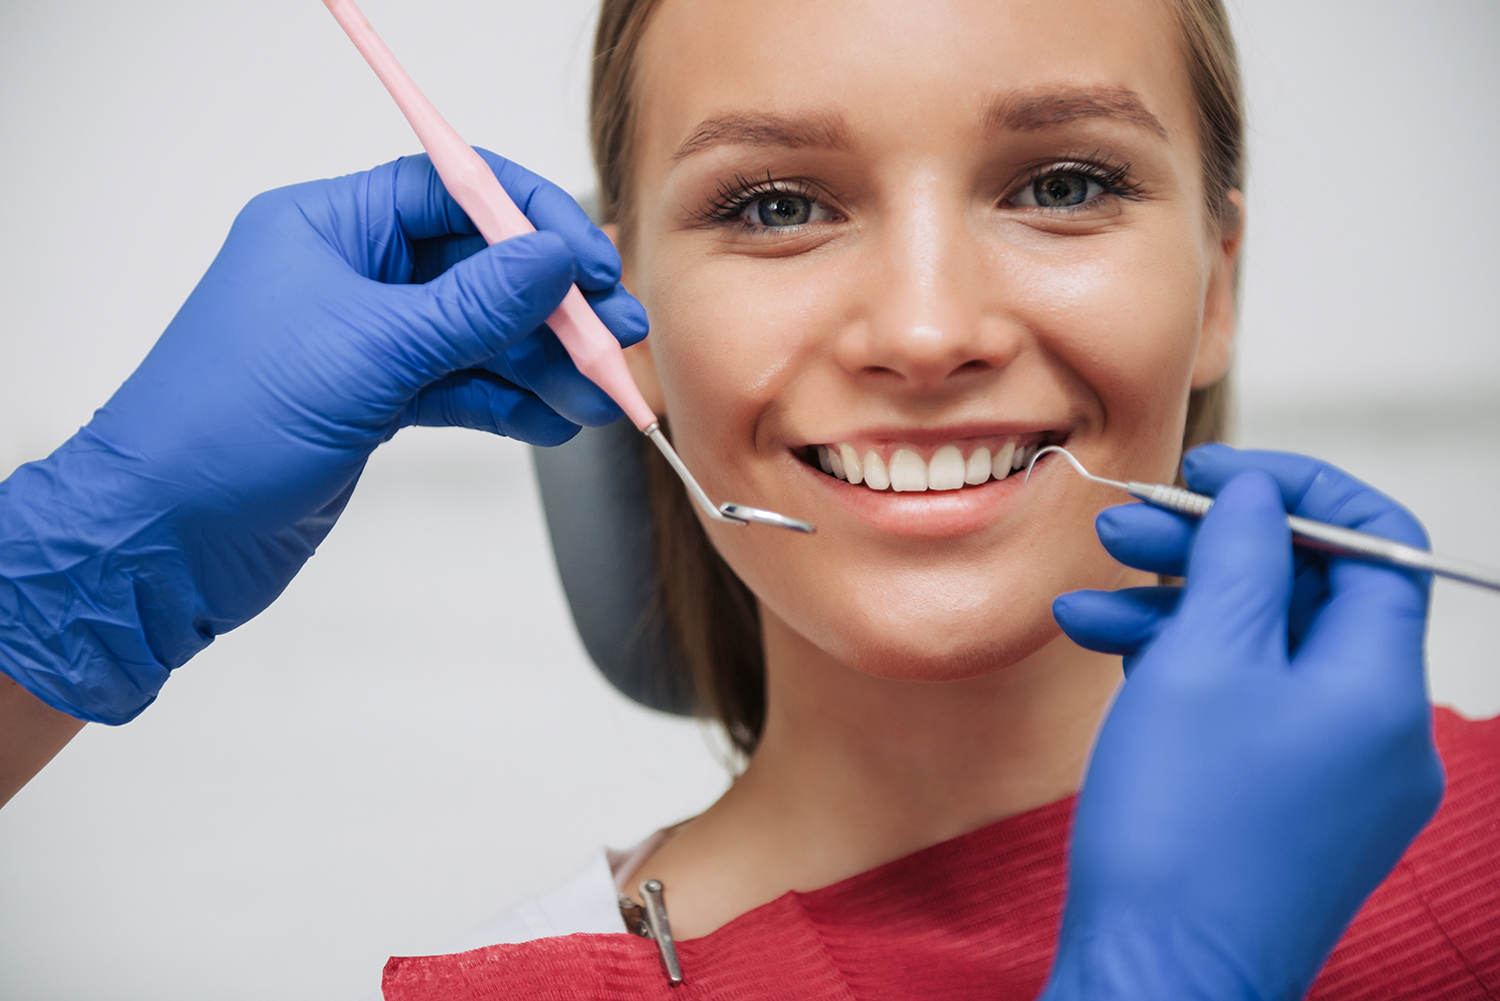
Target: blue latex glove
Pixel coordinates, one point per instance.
(191, 499)
(1270, 755)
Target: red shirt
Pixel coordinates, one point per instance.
(977, 917)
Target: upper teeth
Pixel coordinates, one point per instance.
(907, 471)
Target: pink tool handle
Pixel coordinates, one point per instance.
(474, 186)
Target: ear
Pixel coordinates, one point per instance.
(1220, 319)
(638, 356)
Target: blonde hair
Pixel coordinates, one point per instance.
(710, 614)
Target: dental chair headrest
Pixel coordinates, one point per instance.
(598, 515)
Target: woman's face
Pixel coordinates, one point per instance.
(915, 228)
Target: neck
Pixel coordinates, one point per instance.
(854, 771)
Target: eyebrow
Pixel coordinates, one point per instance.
(1035, 112)
(761, 129)
(1018, 113)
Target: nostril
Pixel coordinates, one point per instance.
(977, 365)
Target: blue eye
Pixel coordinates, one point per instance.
(1075, 185)
(1060, 191)
(778, 210)
(760, 206)
(783, 210)
(1063, 189)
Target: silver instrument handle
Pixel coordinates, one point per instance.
(1328, 538)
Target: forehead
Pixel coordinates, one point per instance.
(907, 68)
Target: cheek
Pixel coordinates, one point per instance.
(728, 337)
(1125, 323)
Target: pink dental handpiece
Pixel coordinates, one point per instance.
(474, 187)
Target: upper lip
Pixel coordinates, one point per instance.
(947, 435)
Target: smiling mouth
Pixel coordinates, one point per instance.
(908, 468)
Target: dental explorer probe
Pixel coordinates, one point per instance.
(1305, 531)
(477, 191)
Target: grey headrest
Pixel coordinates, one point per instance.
(594, 495)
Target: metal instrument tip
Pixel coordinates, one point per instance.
(729, 514)
(760, 516)
(1072, 462)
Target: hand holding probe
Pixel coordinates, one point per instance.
(477, 191)
(1270, 755)
(1305, 531)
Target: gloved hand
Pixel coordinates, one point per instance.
(194, 495)
(1270, 755)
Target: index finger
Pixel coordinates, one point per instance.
(1310, 488)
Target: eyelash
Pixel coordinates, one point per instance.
(734, 197)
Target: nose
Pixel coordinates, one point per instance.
(929, 317)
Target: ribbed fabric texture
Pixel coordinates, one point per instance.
(1432, 929)
(977, 917)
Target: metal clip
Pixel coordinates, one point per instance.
(635, 917)
(652, 892)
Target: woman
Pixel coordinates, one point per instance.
(890, 251)
(963, 246)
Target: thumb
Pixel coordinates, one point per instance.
(1239, 581)
(482, 305)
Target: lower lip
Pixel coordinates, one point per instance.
(930, 514)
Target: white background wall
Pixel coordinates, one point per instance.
(412, 737)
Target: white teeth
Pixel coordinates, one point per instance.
(946, 470)
(908, 471)
(1000, 466)
(1031, 454)
(837, 462)
(854, 470)
(978, 468)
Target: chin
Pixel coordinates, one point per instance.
(937, 648)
